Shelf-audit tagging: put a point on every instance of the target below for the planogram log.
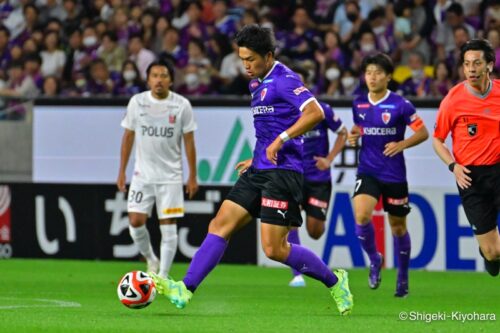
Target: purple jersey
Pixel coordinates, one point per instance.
(277, 103)
(381, 123)
(316, 143)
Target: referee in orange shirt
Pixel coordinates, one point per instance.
(471, 112)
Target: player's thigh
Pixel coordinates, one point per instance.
(395, 199)
(367, 190)
(316, 199)
(230, 218)
(141, 197)
(169, 201)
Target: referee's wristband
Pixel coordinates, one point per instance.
(284, 136)
(451, 166)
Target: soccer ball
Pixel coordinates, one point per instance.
(136, 290)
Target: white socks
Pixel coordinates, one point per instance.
(140, 236)
(168, 247)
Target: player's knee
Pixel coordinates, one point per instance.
(490, 253)
(316, 232)
(274, 253)
(362, 217)
(398, 230)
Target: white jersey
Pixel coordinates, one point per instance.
(159, 126)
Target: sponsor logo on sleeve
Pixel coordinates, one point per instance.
(299, 90)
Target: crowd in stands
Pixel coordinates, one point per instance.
(103, 47)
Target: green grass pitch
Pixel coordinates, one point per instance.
(80, 296)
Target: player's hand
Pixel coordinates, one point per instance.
(353, 136)
(120, 182)
(463, 180)
(393, 148)
(243, 166)
(191, 187)
(272, 150)
(322, 163)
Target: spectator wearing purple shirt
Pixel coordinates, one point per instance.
(130, 82)
(172, 51)
(5, 57)
(418, 84)
(224, 23)
(380, 119)
(270, 185)
(301, 42)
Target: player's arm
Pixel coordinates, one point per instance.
(354, 135)
(243, 166)
(460, 171)
(126, 148)
(416, 124)
(312, 114)
(189, 146)
(324, 163)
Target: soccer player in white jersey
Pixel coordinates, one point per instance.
(158, 120)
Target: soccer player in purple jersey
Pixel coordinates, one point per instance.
(380, 119)
(270, 184)
(317, 188)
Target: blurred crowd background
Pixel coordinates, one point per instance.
(103, 47)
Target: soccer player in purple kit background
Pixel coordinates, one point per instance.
(380, 119)
(270, 184)
(317, 188)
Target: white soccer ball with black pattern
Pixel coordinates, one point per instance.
(136, 290)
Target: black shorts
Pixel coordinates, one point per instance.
(481, 200)
(273, 195)
(317, 198)
(394, 195)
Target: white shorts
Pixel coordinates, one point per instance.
(169, 199)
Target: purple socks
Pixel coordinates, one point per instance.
(205, 259)
(293, 238)
(402, 248)
(307, 263)
(366, 236)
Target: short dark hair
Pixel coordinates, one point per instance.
(256, 38)
(162, 63)
(5, 29)
(379, 59)
(478, 45)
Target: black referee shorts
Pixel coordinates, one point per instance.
(481, 200)
(273, 195)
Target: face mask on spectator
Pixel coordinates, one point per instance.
(379, 30)
(352, 16)
(347, 81)
(332, 74)
(89, 41)
(367, 47)
(268, 25)
(417, 74)
(129, 75)
(191, 80)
